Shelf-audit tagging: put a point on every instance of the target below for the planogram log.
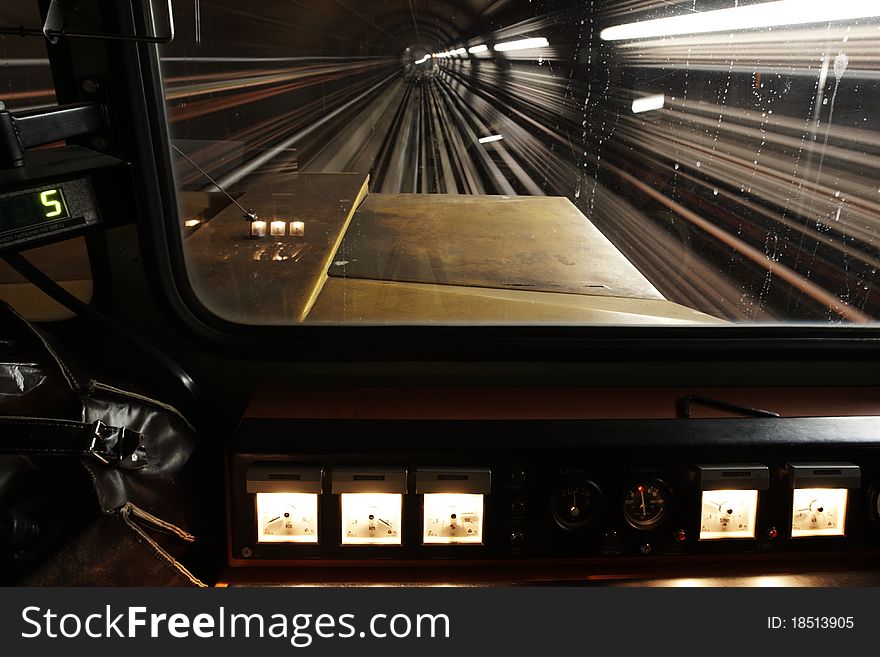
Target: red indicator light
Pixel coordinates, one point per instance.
(772, 534)
(641, 489)
(680, 536)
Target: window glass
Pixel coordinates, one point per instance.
(528, 161)
(25, 77)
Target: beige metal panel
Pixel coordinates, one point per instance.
(273, 280)
(523, 243)
(386, 302)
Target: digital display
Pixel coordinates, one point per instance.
(32, 209)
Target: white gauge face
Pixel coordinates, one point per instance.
(818, 512)
(287, 518)
(453, 518)
(371, 518)
(728, 514)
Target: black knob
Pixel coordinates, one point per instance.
(517, 539)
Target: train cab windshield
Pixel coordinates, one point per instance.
(547, 162)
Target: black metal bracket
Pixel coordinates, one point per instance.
(28, 129)
(684, 407)
(54, 29)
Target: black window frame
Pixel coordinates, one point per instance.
(163, 251)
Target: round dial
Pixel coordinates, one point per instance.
(287, 518)
(729, 513)
(645, 505)
(373, 524)
(817, 514)
(371, 518)
(284, 523)
(576, 506)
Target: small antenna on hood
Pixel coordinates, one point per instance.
(249, 215)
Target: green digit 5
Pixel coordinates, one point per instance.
(48, 202)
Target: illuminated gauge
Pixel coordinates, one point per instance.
(287, 518)
(453, 518)
(818, 512)
(645, 505)
(371, 518)
(728, 514)
(577, 506)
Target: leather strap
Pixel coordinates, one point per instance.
(115, 446)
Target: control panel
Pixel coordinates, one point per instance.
(341, 490)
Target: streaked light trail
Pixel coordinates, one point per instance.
(648, 103)
(522, 44)
(767, 14)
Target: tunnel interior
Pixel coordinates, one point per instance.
(744, 195)
(732, 161)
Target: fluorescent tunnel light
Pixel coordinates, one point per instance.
(489, 140)
(767, 14)
(648, 103)
(478, 49)
(522, 44)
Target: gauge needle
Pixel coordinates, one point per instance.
(642, 493)
(273, 519)
(384, 522)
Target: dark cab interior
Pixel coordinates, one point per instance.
(281, 322)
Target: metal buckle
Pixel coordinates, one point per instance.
(117, 446)
(98, 429)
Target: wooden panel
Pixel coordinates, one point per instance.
(859, 569)
(550, 403)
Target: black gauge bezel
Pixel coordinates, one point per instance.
(595, 509)
(656, 522)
